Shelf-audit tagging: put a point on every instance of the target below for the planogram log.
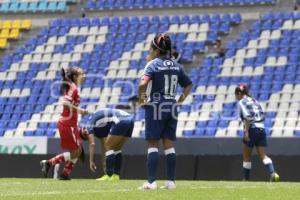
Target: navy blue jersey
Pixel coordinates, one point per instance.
(251, 110)
(165, 75)
(102, 122)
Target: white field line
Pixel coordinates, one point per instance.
(64, 192)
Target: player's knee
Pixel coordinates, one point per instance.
(152, 144)
(76, 153)
(266, 160)
(168, 144)
(246, 159)
(108, 146)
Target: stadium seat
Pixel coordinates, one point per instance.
(141, 4)
(34, 6)
(266, 56)
(3, 43)
(26, 24)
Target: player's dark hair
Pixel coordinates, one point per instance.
(122, 107)
(163, 43)
(242, 89)
(68, 76)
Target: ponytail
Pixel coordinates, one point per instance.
(243, 89)
(163, 43)
(65, 85)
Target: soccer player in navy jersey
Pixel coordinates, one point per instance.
(253, 117)
(114, 126)
(157, 90)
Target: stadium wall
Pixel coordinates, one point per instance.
(198, 159)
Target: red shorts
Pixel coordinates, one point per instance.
(69, 137)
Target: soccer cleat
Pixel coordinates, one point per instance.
(45, 167)
(274, 177)
(148, 186)
(115, 177)
(169, 185)
(104, 178)
(64, 178)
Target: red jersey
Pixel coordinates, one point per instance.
(69, 116)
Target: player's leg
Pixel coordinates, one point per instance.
(247, 151)
(152, 160)
(75, 151)
(170, 163)
(118, 158)
(111, 143)
(118, 149)
(56, 160)
(268, 163)
(168, 138)
(261, 145)
(64, 132)
(153, 130)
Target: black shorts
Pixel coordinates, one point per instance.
(257, 137)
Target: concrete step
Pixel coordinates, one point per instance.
(25, 36)
(234, 35)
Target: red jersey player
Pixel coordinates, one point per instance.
(67, 124)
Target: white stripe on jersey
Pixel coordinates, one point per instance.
(244, 110)
(102, 122)
(148, 91)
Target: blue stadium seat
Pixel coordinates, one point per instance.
(4, 7)
(42, 6)
(188, 133)
(132, 30)
(33, 7)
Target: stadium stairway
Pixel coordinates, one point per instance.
(234, 34)
(25, 36)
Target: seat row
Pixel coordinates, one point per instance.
(33, 6)
(150, 4)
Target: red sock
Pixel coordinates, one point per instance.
(57, 159)
(69, 166)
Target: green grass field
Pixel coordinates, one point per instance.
(83, 189)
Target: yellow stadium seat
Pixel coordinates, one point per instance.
(4, 33)
(1, 25)
(3, 43)
(14, 34)
(16, 24)
(26, 24)
(6, 24)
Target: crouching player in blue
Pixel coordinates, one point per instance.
(116, 126)
(157, 92)
(252, 116)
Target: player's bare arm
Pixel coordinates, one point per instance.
(246, 129)
(91, 141)
(75, 108)
(185, 93)
(142, 91)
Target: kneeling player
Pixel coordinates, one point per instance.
(115, 124)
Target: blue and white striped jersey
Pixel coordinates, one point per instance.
(251, 110)
(101, 122)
